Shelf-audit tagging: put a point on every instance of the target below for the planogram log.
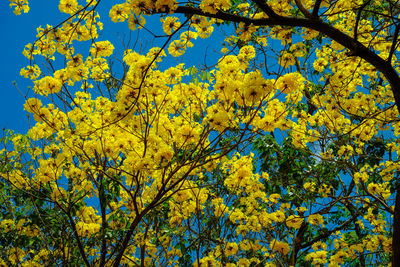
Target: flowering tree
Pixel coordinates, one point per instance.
(284, 152)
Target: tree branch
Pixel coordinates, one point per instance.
(303, 10)
(359, 18)
(394, 43)
(317, 5)
(396, 231)
(357, 48)
(103, 204)
(327, 234)
(297, 243)
(77, 238)
(266, 8)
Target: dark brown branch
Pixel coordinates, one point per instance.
(127, 238)
(135, 223)
(356, 25)
(266, 8)
(77, 238)
(103, 203)
(360, 10)
(396, 231)
(356, 48)
(327, 234)
(394, 43)
(358, 232)
(297, 243)
(303, 10)
(317, 5)
(143, 247)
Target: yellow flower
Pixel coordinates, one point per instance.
(119, 12)
(253, 86)
(208, 261)
(166, 5)
(16, 255)
(315, 219)
(47, 85)
(363, 176)
(236, 215)
(245, 31)
(102, 49)
(177, 48)
(20, 6)
(33, 105)
(170, 24)
(7, 225)
(274, 198)
(231, 249)
(294, 221)
(301, 209)
(286, 59)
(187, 36)
(247, 52)
(203, 27)
(318, 257)
(298, 50)
(224, 50)
(279, 246)
(290, 82)
(345, 151)
(219, 207)
(68, 6)
(87, 229)
(277, 216)
(212, 6)
(136, 21)
(31, 72)
(285, 35)
(310, 34)
(319, 64)
(243, 262)
(319, 246)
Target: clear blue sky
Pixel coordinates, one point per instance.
(20, 30)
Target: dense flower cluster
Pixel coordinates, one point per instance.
(166, 161)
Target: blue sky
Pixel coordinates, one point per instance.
(20, 30)
(17, 31)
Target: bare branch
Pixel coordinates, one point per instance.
(317, 5)
(266, 8)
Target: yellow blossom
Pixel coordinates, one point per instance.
(294, 221)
